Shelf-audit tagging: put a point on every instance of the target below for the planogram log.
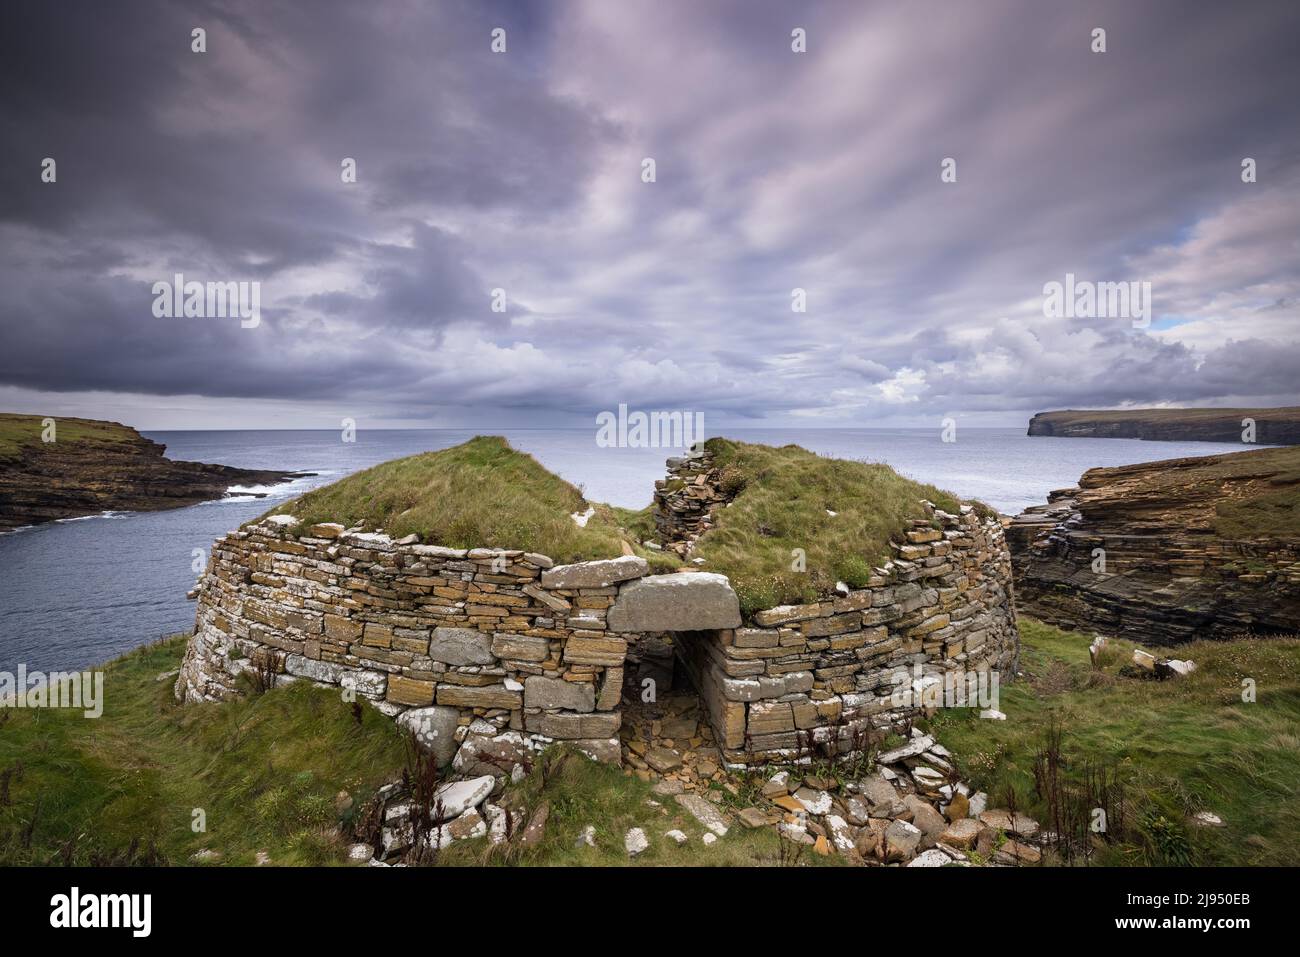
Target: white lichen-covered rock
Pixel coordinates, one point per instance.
(931, 858)
(635, 842)
(911, 749)
(704, 812)
(813, 801)
(457, 797)
(434, 727)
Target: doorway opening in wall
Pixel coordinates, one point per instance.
(666, 732)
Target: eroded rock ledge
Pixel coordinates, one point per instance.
(43, 482)
(1143, 551)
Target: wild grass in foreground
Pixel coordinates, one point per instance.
(260, 774)
(267, 772)
(1179, 746)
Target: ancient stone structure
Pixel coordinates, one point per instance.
(490, 653)
(933, 627)
(439, 636)
(686, 499)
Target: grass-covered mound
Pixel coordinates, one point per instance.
(1178, 746)
(784, 500)
(485, 494)
(20, 431)
(480, 494)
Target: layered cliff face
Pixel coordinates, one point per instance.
(1167, 552)
(1272, 426)
(93, 466)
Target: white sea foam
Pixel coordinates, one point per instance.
(83, 518)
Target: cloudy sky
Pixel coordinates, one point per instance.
(522, 171)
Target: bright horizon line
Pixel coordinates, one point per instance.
(575, 428)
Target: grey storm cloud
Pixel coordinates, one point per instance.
(521, 172)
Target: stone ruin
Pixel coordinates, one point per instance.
(488, 654)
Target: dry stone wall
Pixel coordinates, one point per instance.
(835, 676)
(504, 642)
(488, 654)
(686, 500)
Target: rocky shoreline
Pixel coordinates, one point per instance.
(104, 466)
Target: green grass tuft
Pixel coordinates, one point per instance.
(480, 494)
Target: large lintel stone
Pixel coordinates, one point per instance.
(685, 601)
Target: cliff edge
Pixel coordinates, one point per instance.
(1272, 426)
(1167, 552)
(93, 466)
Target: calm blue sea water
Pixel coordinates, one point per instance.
(80, 592)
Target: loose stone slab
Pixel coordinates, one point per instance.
(911, 749)
(599, 574)
(459, 796)
(704, 812)
(685, 601)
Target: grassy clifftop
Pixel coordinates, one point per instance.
(20, 431)
(1240, 495)
(90, 466)
(1280, 426)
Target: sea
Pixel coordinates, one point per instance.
(79, 592)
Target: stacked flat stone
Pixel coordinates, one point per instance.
(686, 499)
(1166, 580)
(820, 678)
(451, 635)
